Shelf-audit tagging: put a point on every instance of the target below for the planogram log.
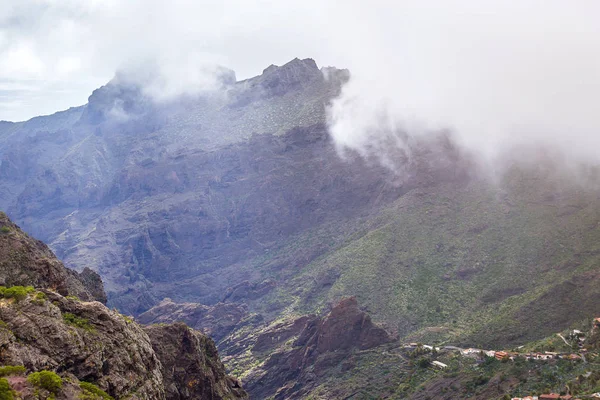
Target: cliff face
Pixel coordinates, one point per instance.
(43, 329)
(190, 364)
(26, 261)
(81, 340)
(307, 351)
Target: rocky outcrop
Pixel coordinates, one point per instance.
(215, 321)
(26, 261)
(190, 365)
(317, 347)
(49, 328)
(84, 340)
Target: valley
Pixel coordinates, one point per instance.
(233, 212)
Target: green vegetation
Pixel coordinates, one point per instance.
(93, 392)
(480, 266)
(46, 380)
(16, 292)
(8, 370)
(6, 393)
(40, 297)
(74, 298)
(79, 322)
(5, 229)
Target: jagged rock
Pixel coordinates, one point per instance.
(83, 339)
(321, 344)
(26, 261)
(190, 364)
(346, 326)
(215, 321)
(86, 341)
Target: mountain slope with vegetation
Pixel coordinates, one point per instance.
(233, 211)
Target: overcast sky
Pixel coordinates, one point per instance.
(493, 70)
(53, 53)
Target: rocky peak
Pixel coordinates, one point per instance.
(293, 75)
(344, 327)
(320, 345)
(118, 100)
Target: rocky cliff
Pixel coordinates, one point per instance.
(81, 348)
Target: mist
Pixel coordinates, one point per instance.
(498, 75)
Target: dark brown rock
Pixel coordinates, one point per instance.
(190, 364)
(321, 345)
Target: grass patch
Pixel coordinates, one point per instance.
(93, 392)
(5, 229)
(78, 322)
(16, 292)
(12, 370)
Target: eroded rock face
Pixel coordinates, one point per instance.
(81, 339)
(25, 261)
(320, 345)
(190, 364)
(49, 328)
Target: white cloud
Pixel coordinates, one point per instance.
(496, 72)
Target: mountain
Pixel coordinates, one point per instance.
(231, 210)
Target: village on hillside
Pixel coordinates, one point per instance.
(579, 343)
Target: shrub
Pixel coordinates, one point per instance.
(16, 292)
(12, 370)
(5, 229)
(93, 392)
(423, 362)
(6, 393)
(47, 380)
(40, 297)
(74, 320)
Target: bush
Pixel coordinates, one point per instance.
(6, 393)
(40, 297)
(74, 320)
(16, 292)
(12, 370)
(5, 229)
(423, 362)
(47, 380)
(93, 392)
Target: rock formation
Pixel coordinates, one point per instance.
(53, 329)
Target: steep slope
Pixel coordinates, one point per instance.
(70, 341)
(25, 261)
(190, 364)
(127, 195)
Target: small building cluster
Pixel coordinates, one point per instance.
(549, 396)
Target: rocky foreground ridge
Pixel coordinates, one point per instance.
(287, 358)
(54, 330)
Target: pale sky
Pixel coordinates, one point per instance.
(493, 70)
